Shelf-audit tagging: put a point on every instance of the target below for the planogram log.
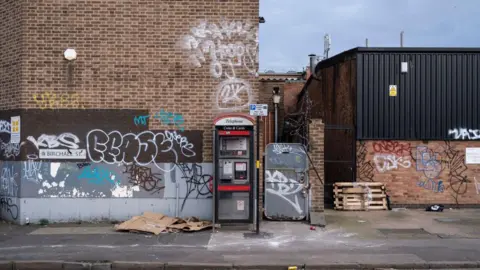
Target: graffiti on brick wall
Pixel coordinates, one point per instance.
(165, 118)
(197, 182)
(288, 189)
(464, 134)
(5, 126)
(430, 164)
(390, 155)
(433, 162)
(230, 47)
(51, 100)
(144, 178)
(9, 150)
(141, 149)
(365, 169)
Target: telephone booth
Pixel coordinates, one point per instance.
(234, 169)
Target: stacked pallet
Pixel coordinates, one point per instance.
(361, 196)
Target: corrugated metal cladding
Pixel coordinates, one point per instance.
(440, 92)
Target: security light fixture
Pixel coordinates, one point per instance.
(261, 20)
(276, 95)
(70, 54)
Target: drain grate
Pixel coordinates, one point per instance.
(404, 231)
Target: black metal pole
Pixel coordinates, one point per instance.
(257, 230)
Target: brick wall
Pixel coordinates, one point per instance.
(317, 139)
(134, 55)
(421, 172)
(11, 53)
(148, 81)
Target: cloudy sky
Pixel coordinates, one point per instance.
(295, 28)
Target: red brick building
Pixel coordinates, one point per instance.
(406, 117)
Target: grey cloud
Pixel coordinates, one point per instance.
(295, 28)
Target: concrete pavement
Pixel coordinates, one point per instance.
(408, 239)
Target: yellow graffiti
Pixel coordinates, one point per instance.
(50, 100)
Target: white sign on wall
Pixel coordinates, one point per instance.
(63, 154)
(472, 155)
(15, 129)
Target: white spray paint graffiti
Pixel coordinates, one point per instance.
(282, 148)
(68, 140)
(112, 148)
(5, 126)
(10, 150)
(226, 55)
(32, 171)
(463, 133)
(386, 162)
(8, 186)
(282, 186)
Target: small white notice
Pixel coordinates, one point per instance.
(241, 205)
(63, 154)
(472, 155)
(15, 129)
(227, 167)
(240, 166)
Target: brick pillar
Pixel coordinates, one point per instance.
(316, 152)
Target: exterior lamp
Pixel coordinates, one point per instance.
(276, 101)
(70, 54)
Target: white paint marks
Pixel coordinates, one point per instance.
(32, 171)
(5, 126)
(68, 140)
(465, 134)
(285, 188)
(54, 166)
(229, 46)
(124, 191)
(388, 162)
(280, 148)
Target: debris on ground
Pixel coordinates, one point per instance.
(157, 223)
(435, 208)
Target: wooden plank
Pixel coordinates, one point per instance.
(377, 208)
(353, 190)
(351, 184)
(373, 196)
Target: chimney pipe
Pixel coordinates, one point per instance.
(401, 39)
(312, 62)
(366, 42)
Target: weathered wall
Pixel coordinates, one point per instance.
(135, 108)
(421, 172)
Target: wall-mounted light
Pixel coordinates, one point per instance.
(70, 54)
(276, 95)
(261, 20)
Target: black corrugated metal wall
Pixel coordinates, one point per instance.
(439, 92)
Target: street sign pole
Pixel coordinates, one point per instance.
(257, 230)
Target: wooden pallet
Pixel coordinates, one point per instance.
(360, 196)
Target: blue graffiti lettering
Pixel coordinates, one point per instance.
(98, 176)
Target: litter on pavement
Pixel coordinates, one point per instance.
(157, 223)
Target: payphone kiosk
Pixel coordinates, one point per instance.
(234, 169)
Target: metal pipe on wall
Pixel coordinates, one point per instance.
(276, 122)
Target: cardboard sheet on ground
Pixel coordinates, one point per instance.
(158, 223)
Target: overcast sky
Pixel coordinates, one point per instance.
(295, 28)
